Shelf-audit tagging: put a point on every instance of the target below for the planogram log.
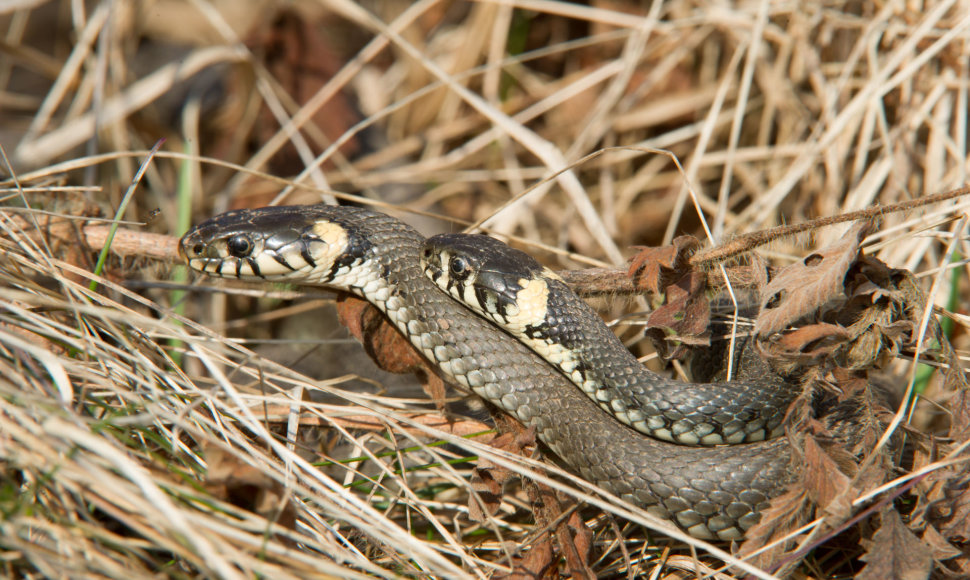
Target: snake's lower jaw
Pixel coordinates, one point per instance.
(211, 267)
(432, 272)
(431, 269)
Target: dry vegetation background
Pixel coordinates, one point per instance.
(137, 440)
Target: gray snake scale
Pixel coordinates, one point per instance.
(711, 492)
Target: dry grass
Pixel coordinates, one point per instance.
(135, 441)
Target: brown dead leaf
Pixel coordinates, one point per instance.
(826, 483)
(247, 487)
(387, 346)
(861, 321)
(488, 479)
(653, 269)
(535, 564)
(850, 383)
(299, 52)
(956, 380)
(949, 507)
(853, 398)
(943, 499)
(684, 317)
(785, 514)
(389, 349)
(576, 539)
(895, 552)
(941, 549)
(487, 482)
(882, 313)
(806, 345)
(570, 533)
(871, 281)
(956, 568)
(959, 410)
(806, 286)
(573, 538)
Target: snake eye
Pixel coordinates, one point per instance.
(239, 246)
(458, 266)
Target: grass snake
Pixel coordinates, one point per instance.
(711, 492)
(533, 304)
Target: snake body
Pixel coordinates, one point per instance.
(531, 302)
(711, 492)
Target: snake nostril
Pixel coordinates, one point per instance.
(198, 248)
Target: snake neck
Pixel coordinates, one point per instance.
(385, 270)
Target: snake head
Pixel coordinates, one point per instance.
(481, 272)
(276, 243)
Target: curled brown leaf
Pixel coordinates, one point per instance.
(895, 552)
(386, 346)
(653, 269)
(684, 316)
(806, 286)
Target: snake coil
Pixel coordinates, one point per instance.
(533, 304)
(711, 492)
